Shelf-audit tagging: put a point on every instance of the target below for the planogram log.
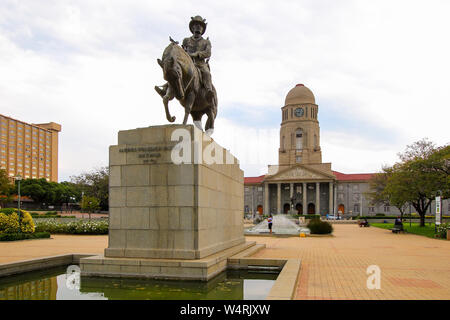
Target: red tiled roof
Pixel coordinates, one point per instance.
(353, 176)
(248, 180)
(16, 197)
(339, 176)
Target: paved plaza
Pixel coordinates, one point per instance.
(412, 267)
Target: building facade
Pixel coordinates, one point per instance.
(29, 150)
(301, 183)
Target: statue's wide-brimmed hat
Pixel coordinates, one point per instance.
(197, 20)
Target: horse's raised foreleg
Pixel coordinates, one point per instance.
(189, 102)
(169, 96)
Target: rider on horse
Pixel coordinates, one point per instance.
(199, 49)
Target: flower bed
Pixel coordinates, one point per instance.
(97, 226)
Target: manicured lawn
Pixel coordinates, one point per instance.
(427, 231)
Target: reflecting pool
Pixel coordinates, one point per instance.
(60, 284)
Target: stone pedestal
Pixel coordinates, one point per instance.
(163, 213)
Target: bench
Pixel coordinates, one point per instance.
(363, 224)
(398, 228)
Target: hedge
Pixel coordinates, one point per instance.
(317, 226)
(395, 217)
(40, 216)
(23, 236)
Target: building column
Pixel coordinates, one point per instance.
(266, 199)
(335, 200)
(330, 199)
(317, 198)
(305, 205)
(291, 190)
(252, 188)
(278, 198)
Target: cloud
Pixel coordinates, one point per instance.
(379, 72)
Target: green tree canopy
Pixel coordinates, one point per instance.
(420, 176)
(93, 184)
(43, 191)
(6, 188)
(380, 194)
(90, 204)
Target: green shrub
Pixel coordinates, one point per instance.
(312, 216)
(9, 221)
(51, 213)
(317, 226)
(23, 236)
(8, 211)
(380, 215)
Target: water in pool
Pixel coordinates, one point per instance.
(59, 284)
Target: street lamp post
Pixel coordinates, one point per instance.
(81, 207)
(18, 179)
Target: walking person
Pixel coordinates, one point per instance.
(269, 222)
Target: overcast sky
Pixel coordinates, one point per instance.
(379, 71)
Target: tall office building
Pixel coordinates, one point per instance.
(29, 150)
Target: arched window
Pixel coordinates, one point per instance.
(299, 139)
(283, 146)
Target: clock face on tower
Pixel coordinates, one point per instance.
(299, 112)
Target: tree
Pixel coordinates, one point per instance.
(379, 194)
(35, 189)
(90, 204)
(6, 188)
(93, 184)
(421, 149)
(422, 174)
(43, 191)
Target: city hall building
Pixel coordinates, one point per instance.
(301, 183)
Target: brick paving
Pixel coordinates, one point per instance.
(412, 267)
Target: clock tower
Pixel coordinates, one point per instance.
(300, 131)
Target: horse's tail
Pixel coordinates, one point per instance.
(216, 103)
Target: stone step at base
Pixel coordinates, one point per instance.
(199, 269)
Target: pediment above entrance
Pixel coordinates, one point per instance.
(299, 173)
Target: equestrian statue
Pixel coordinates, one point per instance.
(186, 70)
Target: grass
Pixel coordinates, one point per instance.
(427, 231)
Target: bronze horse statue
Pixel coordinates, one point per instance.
(184, 83)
